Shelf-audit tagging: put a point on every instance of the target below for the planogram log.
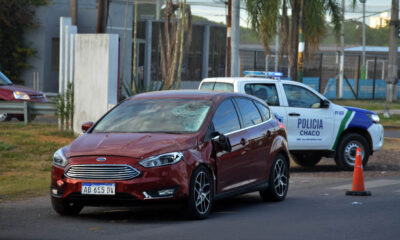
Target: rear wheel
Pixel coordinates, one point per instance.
(65, 208)
(278, 183)
(200, 194)
(5, 117)
(306, 160)
(347, 148)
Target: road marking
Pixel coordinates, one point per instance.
(370, 184)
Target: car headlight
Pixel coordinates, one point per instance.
(21, 95)
(374, 118)
(162, 160)
(59, 158)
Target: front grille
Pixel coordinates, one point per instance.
(102, 172)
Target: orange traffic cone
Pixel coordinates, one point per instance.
(358, 178)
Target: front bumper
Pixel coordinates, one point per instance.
(377, 134)
(144, 187)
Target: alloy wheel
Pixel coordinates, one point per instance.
(351, 150)
(202, 192)
(280, 177)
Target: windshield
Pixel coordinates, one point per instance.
(4, 80)
(156, 115)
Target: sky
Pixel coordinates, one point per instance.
(216, 11)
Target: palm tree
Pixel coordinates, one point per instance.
(269, 17)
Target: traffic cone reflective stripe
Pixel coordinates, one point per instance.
(358, 188)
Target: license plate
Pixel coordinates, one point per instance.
(98, 188)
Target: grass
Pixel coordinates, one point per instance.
(26, 158)
(374, 105)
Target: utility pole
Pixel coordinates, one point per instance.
(363, 41)
(235, 63)
(73, 11)
(339, 84)
(392, 80)
(300, 53)
(228, 40)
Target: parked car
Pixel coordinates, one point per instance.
(316, 127)
(11, 92)
(186, 145)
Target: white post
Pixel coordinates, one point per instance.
(235, 67)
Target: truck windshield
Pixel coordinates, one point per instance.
(4, 80)
(156, 115)
(221, 87)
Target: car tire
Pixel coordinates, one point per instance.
(5, 117)
(346, 151)
(201, 193)
(65, 208)
(306, 160)
(278, 182)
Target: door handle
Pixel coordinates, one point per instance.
(268, 134)
(294, 114)
(243, 141)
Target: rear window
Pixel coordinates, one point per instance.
(221, 87)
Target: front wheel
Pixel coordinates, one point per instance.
(347, 148)
(5, 117)
(65, 208)
(200, 194)
(278, 183)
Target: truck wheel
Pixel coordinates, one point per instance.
(278, 183)
(5, 117)
(306, 160)
(65, 208)
(347, 148)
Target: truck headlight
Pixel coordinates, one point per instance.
(21, 95)
(162, 160)
(374, 118)
(59, 158)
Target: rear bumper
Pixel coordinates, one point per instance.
(143, 188)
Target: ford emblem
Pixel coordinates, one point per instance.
(101, 159)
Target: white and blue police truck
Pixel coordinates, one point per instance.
(316, 127)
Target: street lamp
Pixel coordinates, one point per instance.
(363, 41)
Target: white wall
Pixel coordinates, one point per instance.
(95, 76)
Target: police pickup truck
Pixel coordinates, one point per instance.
(316, 127)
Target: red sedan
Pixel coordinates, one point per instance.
(190, 146)
(11, 92)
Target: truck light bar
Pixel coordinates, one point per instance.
(262, 74)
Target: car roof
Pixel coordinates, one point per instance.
(243, 79)
(186, 94)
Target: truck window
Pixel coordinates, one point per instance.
(301, 97)
(267, 92)
(221, 87)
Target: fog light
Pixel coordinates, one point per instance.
(166, 192)
(54, 191)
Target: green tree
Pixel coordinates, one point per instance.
(269, 17)
(16, 17)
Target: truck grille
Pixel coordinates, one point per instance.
(102, 172)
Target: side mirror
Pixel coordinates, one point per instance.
(86, 126)
(324, 103)
(223, 141)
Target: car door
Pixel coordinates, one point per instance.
(255, 160)
(309, 126)
(230, 164)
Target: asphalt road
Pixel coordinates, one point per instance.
(316, 208)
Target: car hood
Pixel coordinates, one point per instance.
(360, 110)
(24, 89)
(135, 145)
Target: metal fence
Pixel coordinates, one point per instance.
(28, 109)
(321, 71)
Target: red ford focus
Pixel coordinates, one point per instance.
(189, 146)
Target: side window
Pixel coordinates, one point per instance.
(223, 87)
(301, 97)
(264, 111)
(225, 119)
(251, 116)
(267, 92)
(207, 86)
